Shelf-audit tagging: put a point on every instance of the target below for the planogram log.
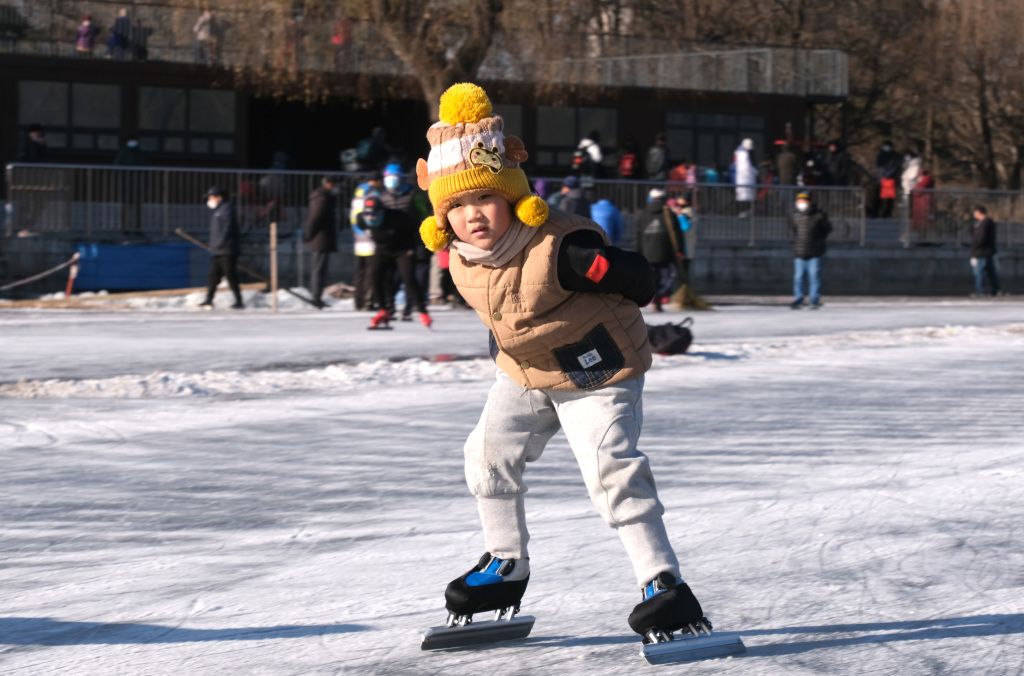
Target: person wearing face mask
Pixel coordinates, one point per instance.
(810, 228)
(224, 246)
(400, 195)
(319, 232)
(393, 231)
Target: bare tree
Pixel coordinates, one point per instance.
(440, 42)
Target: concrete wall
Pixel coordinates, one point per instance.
(718, 269)
(888, 270)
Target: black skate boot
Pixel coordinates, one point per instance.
(492, 585)
(669, 606)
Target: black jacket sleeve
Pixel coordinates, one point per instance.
(586, 263)
(314, 217)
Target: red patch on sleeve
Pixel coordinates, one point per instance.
(598, 269)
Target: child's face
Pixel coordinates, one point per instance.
(480, 218)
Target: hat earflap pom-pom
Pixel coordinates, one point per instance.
(532, 211)
(434, 238)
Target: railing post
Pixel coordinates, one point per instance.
(273, 267)
(88, 203)
(753, 220)
(166, 202)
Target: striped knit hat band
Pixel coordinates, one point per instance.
(469, 152)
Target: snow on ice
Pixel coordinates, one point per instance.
(249, 493)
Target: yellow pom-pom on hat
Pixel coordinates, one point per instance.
(532, 211)
(464, 102)
(434, 238)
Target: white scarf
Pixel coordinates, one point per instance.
(507, 246)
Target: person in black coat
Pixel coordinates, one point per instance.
(33, 145)
(888, 165)
(983, 252)
(810, 227)
(320, 233)
(660, 240)
(837, 163)
(130, 184)
(119, 41)
(31, 203)
(395, 236)
(786, 162)
(224, 245)
(401, 195)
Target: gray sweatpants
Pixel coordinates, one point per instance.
(602, 427)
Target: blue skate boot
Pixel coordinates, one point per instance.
(493, 584)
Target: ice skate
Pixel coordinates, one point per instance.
(668, 607)
(380, 321)
(494, 585)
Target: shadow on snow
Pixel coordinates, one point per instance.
(915, 630)
(46, 631)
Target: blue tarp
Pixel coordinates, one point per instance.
(126, 267)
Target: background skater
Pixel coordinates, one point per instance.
(224, 247)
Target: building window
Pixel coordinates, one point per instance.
(82, 113)
(95, 105)
(162, 109)
(513, 116)
(211, 111)
(193, 121)
(559, 131)
(44, 103)
(709, 139)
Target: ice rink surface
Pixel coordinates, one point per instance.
(189, 493)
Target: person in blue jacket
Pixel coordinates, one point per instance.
(607, 215)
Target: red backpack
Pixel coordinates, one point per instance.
(627, 165)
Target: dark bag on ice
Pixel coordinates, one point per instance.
(671, 338)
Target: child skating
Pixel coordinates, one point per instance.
(563, 310)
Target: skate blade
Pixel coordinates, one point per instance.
(443, 638)
(689, 649)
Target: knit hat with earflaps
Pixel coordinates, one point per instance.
(469, 151)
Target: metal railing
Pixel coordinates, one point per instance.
(770, 70)
(105, 202)
(164, 33)
(111, 202)
(741, 215)
(930, 217)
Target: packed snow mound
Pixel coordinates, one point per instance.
(335, 377)
(417, 370)
(158, 302)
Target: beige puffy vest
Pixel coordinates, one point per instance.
(547, 337)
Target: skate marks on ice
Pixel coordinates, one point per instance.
(48, 631)
(886, 632)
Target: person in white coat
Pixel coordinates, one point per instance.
(911, 172)
(746, 174)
